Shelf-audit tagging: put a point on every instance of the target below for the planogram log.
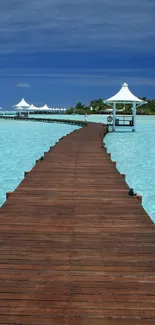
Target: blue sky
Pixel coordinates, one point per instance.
(60, 52)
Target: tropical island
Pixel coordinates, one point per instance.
(99, 107)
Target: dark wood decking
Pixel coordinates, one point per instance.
(75, 249)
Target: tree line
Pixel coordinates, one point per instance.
(97, 106)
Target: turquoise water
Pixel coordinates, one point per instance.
(24, 142)
(134, 153)
(21, 143)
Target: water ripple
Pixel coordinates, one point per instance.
(21, 143)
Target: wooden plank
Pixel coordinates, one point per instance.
(74, 247)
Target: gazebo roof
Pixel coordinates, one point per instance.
(22, 103)
(124, 95)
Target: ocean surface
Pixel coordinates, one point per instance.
(134, 153)
(24, 142)
(21, 143)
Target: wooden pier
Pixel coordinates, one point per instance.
(75, 249)
(45, 120)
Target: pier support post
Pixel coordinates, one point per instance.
(104, 147)
(134, 117)
(41, 158)
(139, 198)
(114, 116)
(25, 174)
(8, 194)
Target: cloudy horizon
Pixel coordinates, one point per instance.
(65, 51)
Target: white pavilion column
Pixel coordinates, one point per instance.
(134, 117)
(114, 115)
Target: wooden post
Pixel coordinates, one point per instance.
(114, 116)
(139, 198)
(134, 117)
(103, 146)
(8, 194)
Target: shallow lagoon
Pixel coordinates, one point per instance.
(24, 142)
(135, 156)
(21, 143)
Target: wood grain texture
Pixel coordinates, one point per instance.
(75, 249)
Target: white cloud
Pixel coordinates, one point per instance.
(37, 25)
(23, 85)
(86, 77)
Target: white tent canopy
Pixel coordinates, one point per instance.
(44, 108)
(24, 106)
(33, 108)
(124, 96)
(22, 103)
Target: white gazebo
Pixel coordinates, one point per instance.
(124, 96)
(22, 105)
